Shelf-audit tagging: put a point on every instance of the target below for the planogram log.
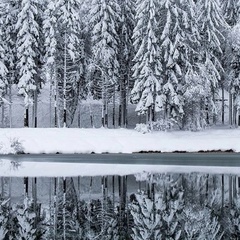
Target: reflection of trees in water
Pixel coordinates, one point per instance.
(165, 206)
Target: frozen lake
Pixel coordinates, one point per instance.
(111, 196)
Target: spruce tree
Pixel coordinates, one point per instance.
(49, 31)
(211, 27)
(179, 42)
(147, 217)
(234, 69)
(231, 11)
(27, 43)
(69, 55)
(104, 20)
(147, 67)
(10, 10)
(3, 53)
(125, 56)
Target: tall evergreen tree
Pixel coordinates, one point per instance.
(178, 45)
(49, 30)
(147, 67)
(11, 9)
(104, 20)
(231, 11)
(27, 44)
(125, 56)
(3, 53)
(211, 27)
(233, 69)
(70, 51)
(147, 216)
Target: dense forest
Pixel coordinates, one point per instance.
(165, 206)
(173, 59)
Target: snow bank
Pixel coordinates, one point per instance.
(51, 140)
(51, 169)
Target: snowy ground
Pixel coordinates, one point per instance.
(46, 140)
(37, 141)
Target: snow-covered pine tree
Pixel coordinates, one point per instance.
(49, 30)
(173, 205)
(199, 224)
(231, 11)
(194, 87)
(3, 53)
(27, 43)
(104, 20)
(4, 217)
(147, 216)
(125, 56)
(67, 224)
(147, 67)
(11, 9)
(70, 51)
(25, 217)
(211, 25)
(197, 90)
(234, 69)
(178, 45)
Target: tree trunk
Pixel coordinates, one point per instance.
(207, 187)
(25, 186)
(238, 184)
(3, 115)
(10, 192)
(2, 187)
(223, 105)
(65, 83)
(55, 208)
(64, 208)
(234, 190)
(50, 104)
(223, 191)
(106, 187)
(124, 193)
(114, 103)
(103, 106)
(55, 102)
(34, 197)
(230, 191)
(106, 114)
(124, 104)
(91, 116)
(234, 111)
(230, 109)
(10, 106)
(113, 192)
(214, 114)
(35, 107)
(79, 115)
(120, 116)
(26, 117)
(214, 182)
(207, 111)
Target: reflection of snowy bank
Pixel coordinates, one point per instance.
(56, 169)
(160, 206)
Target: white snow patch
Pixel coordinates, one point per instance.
(69, 140)
(50, 169)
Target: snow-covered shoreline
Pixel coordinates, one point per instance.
(66, 141)
(69, 141)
